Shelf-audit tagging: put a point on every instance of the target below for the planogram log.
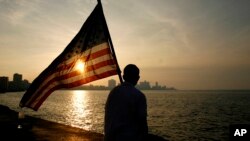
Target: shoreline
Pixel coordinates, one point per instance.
(37, 129)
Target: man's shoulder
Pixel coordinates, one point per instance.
(131, 88)
(126, 87)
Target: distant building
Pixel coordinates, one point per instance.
(17, 77)
(18, 84)
(158, 87)
(25, 84)
(4, 83)
(111, 83)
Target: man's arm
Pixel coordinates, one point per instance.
(142, 114)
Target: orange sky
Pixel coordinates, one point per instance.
(186, 44)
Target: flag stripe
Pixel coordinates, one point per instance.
(91, 62)
(55, 76)
(91, 47)
(91, 55)
(92, 50)
(91, 73)
(88, 78)
(75, 73)
(86, 70)
(65, 70)
(71, 85)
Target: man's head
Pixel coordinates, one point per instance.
(131, 74)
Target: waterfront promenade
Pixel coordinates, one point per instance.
(40, 130)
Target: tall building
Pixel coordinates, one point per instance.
(156, 84)
(4, 81)
(18, 84)
(17, 77)
(111, 83)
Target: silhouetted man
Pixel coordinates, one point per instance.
(126, 110)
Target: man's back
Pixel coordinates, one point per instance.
(125, 114)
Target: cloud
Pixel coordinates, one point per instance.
(15, 11)
(180, 35)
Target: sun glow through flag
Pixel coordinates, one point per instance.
(87, 58)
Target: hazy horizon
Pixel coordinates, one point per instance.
(183, 44)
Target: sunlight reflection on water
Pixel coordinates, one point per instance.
(174, 115)
(78, 110)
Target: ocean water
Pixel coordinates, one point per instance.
(174, 115)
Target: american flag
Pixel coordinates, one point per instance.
(88, 57)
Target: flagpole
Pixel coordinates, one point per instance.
(111, 45)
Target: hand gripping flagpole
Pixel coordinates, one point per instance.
(111, 44)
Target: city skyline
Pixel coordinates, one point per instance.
(20, 84)
(17, 83)
(186, 44)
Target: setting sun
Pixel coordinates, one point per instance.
(80, 66)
